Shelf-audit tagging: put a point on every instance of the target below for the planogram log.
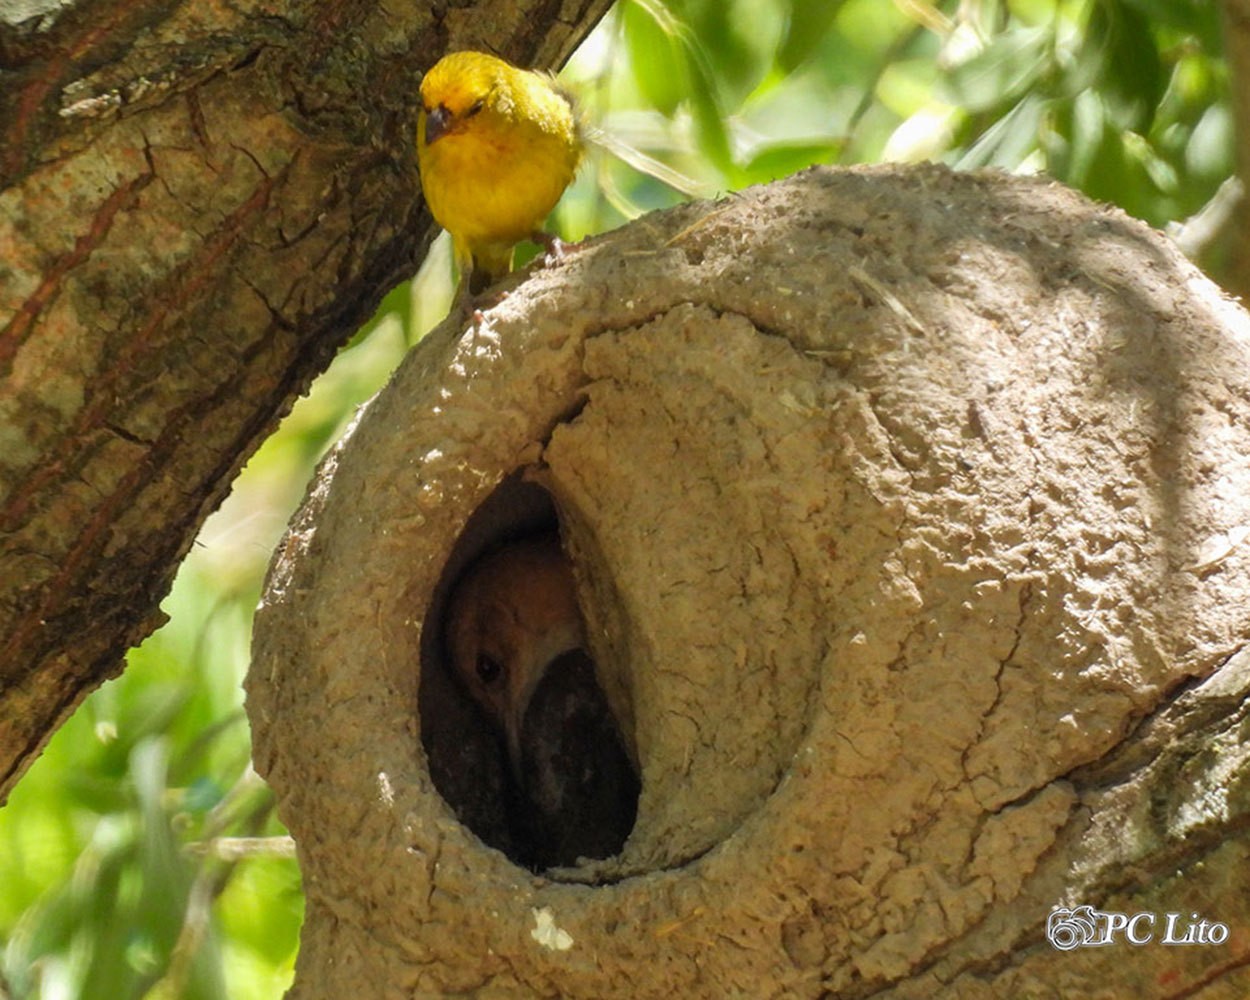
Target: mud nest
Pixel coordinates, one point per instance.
(900, 503)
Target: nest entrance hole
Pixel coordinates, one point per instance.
(521, 740)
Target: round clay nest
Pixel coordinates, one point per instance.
(836, 470)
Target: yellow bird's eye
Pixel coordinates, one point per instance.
(475, 107)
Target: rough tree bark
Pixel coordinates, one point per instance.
(198, 204)
(909, 511)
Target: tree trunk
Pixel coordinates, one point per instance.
(198, 205)
(909, 512)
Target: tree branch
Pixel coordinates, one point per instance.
(197, 207)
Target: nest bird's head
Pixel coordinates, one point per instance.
(511, 616)
(515, 639)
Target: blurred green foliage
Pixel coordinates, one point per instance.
(109, 886)
(1126, 100)
(103, 890)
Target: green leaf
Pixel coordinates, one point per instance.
(1133, 77)
(656, 54)
(733, 42)
(808, 23)
(1209, 152)
(999, 75)
(1088, 128)
(775, 162)
(1195, 17)
(1010, 140)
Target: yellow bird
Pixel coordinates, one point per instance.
(496, 146)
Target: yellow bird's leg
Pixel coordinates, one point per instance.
(476, 271)
(489, 263)
(462, 302)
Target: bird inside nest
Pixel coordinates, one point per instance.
(517, 643)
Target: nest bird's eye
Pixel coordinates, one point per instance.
(489, 670)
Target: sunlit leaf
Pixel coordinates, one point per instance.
(1208, 153)
(1001, 72)
(1010, 140)
(657, 56)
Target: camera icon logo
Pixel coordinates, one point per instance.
(1068, 928)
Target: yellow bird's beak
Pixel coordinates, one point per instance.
(437, 123)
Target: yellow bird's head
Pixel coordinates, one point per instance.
(457, 89)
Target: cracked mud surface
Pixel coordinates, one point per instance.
(891, 495)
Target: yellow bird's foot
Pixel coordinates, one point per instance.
(471, 311)
(556, 249)
(470, 302)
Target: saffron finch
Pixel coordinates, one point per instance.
(496, 146)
